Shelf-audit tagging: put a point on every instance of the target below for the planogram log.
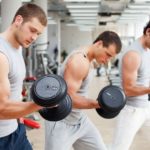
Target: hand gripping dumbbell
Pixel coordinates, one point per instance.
(112, 100)
(50, 91)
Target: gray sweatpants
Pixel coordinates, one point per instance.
(62, 136)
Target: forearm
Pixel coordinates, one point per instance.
(81, 102)
(11, 110)
(136, 90)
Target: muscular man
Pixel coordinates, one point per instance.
(77, 130)
(135, 76)
(28, 23)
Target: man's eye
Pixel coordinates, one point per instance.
(33, 31)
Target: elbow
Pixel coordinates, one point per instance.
(74, 103)
(74, 99)
(128, 92)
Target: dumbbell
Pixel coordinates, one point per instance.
(51, 91)
(111, 99)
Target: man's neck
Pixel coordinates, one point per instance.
(9, 37)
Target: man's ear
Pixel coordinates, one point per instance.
(98, 43)
(18, 20)
(148, 32)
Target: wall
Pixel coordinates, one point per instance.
(52, 36)
(72, 37)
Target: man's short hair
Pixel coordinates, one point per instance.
(29, 11)
(146, 27)
(110, 37)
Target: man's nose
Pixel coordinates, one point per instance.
(34, 37)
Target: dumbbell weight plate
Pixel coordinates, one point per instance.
(107, 115)
(57, 113)
(48, 90)
(112, 98)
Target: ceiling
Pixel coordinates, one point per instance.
(98, 12)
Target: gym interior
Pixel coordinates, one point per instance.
(71, 24)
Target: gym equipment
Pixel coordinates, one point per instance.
(48, 90)
(106, 114)
(51, 91)
(31, 123)
(111, 99)
(57, 113)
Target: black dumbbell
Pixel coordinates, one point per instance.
(111, 99)
(51, 91)
(59, 112)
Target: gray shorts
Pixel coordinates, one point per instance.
(63, 136)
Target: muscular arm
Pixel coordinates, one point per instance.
(130, 65)
(10, 109)
(75, 72)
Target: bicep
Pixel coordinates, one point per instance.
(4, 82)
(130, 65)
(73, 74)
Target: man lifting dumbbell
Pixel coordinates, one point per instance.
(50, 91)
(29, 21)
(76, 129)
(136, 84)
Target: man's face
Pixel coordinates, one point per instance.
(28, 32)
(147, 39)
(106, 53)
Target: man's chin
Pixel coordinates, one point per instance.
(26, 45)
(100, 62)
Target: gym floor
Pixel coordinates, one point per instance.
(141, 141)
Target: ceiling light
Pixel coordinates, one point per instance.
(131, 17)
(83, 10)
(26, 0)
(82, 0)
(141, 1)
(139, 6)
(84, 15)
(69, 6)
(127, 21)
(71, 24)
(135, 14)
(85, 22)
(84, 18)
(23, 0)
(137, 11)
